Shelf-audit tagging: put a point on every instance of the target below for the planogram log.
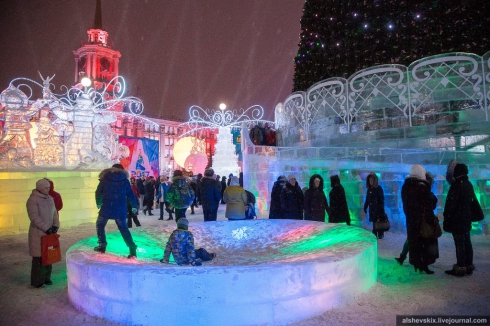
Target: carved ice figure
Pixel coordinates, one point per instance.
(15, 145)
(48, 150)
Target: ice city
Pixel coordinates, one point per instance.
(382, 119)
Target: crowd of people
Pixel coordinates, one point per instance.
(121, 198)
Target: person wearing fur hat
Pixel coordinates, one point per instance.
(235, 198)
(315, 200)
(111, 196)
(180, 194)
(210, 195)
(375, 201)
(292, 199)
(44, 220)
(418, 204)
(457, 219)
(181, 245)
(339, 212)
(275, 210)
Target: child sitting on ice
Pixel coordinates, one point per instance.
(181, 246)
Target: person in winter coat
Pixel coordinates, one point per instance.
(198, 193)
(250, 207)
(149, 195)
(223, 187)
(181, 246)
(315, 200)
(275, 210)
(235, 198)
(58, 202)
(193, 185)
(419, 203)
(140, 183)
(44, 220)
(292, 199)
(111, 197)
(457, 220)
(339, 212)
(180, 194)
(162, 198)
(210, 195)
(375, 201)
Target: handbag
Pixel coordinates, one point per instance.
(476, 211)
(382, 224)
(50, 249)
(430, 231)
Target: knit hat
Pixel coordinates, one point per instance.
(291, 176)
(182, 222)
(42, 184)
(460, 170)
(234, 181)
(417, 171)
(209, 172)
(178, 173)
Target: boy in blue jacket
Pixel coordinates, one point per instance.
(181, 246)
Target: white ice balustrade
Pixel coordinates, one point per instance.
(431, 90)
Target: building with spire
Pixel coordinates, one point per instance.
(98, 61)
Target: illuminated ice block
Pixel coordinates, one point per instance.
(267, 272)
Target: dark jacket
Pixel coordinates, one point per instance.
(180, 194)
(419, 203)
(315, 201)
(292, 201)
(210, 193)
(375, 199)
(141, 186)
(275, 210)
(339, 212)
(457, 210)
(112, 193)
(149, 193)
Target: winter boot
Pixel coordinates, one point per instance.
(400, 259)
(100, 249)
(456, 271)
(132, 252)
(470, 269)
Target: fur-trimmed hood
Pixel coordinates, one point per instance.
(375, 178)
(114, 174)
(312, 181)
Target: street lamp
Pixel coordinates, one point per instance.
(86, 82)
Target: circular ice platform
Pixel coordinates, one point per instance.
(266, 272)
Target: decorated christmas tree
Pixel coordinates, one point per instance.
(340, 37)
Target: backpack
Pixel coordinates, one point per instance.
(186, 195)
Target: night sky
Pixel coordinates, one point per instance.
(179, 53)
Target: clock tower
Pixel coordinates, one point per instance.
(95, 59)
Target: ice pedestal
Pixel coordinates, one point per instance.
(267, 272)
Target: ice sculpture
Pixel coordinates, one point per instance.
(73, 129)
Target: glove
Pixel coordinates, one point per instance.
(48, 231)
(54, 229)
(134, 210)
(196, 263)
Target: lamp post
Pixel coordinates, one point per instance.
(86, 82)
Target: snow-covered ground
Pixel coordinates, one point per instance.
(399, 290)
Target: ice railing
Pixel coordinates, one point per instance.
(429, 90)
(388, 156)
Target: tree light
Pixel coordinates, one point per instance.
(222, 106)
